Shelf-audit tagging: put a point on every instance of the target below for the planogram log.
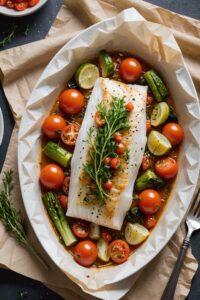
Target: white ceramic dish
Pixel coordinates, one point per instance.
(156, 45)
(1, 126)
(13, 13)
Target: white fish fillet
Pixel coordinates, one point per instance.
(113, 212)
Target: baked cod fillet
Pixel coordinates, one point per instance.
(112, 211)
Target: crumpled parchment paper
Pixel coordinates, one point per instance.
(20, 73)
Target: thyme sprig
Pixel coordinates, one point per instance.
(103, 145)
(11, 218)
(10, 36)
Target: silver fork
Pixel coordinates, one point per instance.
(193, 223)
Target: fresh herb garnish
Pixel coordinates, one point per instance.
(12, 31)
(11, 218)
(126, 154)
(10, 35)
(103, 145)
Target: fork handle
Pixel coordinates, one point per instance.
(169, 291)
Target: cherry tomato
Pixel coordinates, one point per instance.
(98, 119)
(150, 99)
(85, 253)
(108, 185)
(10, 4)
(66, 184)
(21, 6)
(2, 2)
(117, 137)
(71, 101)
(129, 106)
(115, 162)
(69, 134)
(119, 251)
(106, 161)
(148, 125)
(173, 132)
(52, 125)
(146, 163)
(166, 168)
(32, 2)
(63, 199)
(52, 176)
(80, 228)
(149, 201)
(130, 69)
(149, 222)
(106, 235)
(120, 148)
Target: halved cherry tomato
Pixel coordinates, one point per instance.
(108, 185)
(149, 222)
(98, 119)
(148, 125)
(146, 163)
(69, 134)
(120, 148)
(66, 184)
(63, 199)
(173, 132)
(21, 6)
(80, 228)
(106, 235)
(106, 161)
(85, 253)
(166, 168)
(115, 162)
(130, 69)
(117, 137)
(52, 176)
(150, 99)
(129, 106)
(119, 251)
(149, 201)
(2, 2)
(32, 2)
(71, 101)
(53, 125)
(10, 4)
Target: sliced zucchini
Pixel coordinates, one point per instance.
(160, 113)
(156, 84)
(157, 143)
(94, 232)
(102, 250)
(106, 64)
(160, 84)
(135, 233)
(86, 75)
(58, 154)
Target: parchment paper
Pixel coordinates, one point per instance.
(17, 89)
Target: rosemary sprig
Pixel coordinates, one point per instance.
(11, 218)
(103, 145)
(10, 36)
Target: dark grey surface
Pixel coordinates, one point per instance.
(40, 22)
